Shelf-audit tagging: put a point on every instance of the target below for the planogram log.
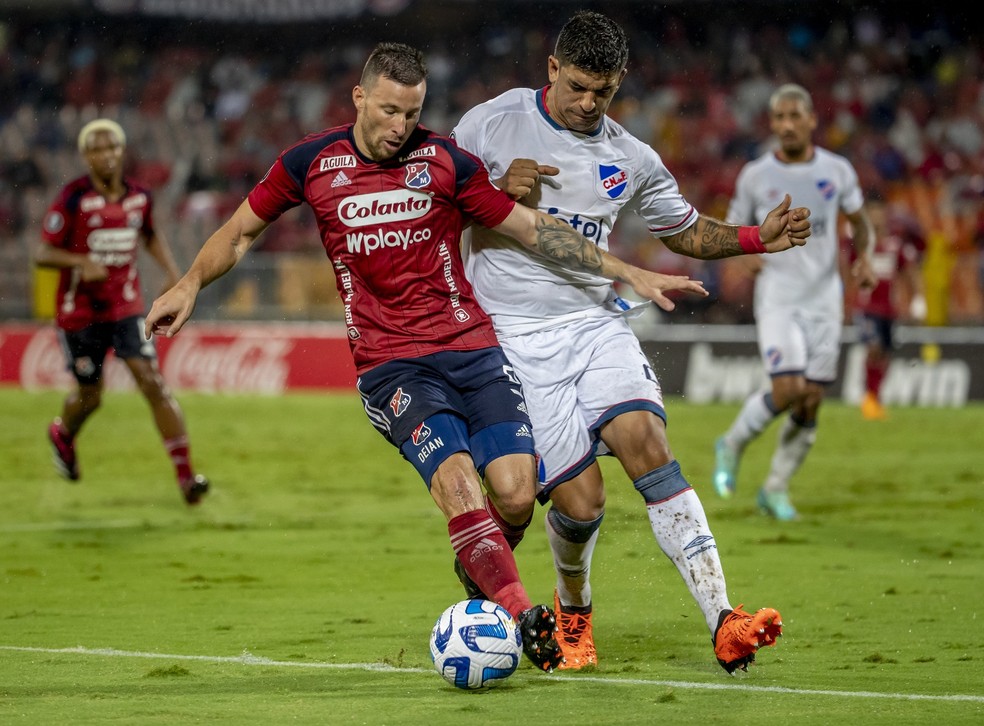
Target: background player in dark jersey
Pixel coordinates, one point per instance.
(91, 233)
(895, 261)
(391, 198)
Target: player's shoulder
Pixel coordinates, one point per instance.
(73, 191)
(614, 134)
(761, 162)
(425, 142)
(515, 100)
(299, 156)
(312, 144)
(828, 158)
(135, 188)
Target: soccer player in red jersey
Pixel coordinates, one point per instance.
(91, 233)
(895, 262)
(391, 198)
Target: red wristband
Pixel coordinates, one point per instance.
(750, 240)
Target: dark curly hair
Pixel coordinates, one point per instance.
(592, 42)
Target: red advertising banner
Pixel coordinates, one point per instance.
(240, 358)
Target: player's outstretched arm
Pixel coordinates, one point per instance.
(712, 239)
(217, 256)
(160, 250)
(863, 239)
(557, 240)
(91, 271)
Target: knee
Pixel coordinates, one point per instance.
(513, 489)
(573, 529)
(588, 505)
(90, 399)
(788, 392)
(153, 389)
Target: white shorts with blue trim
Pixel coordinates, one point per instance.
(576, 378)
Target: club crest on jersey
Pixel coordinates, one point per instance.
(54, 222)
(400, 402)
(774, 357)
(826, 189)
(420, 434)
(418, 175)
(613, 180)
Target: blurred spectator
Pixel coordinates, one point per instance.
(900, 94)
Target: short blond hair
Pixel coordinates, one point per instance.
(791, 92)
(100, 124)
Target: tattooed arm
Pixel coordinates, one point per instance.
(711, 239)
(557, 240)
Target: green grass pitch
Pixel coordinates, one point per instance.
(305, 586)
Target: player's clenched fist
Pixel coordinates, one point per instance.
(522, 175)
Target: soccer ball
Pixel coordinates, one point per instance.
(475, 644)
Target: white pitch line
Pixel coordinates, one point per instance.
(249, 659)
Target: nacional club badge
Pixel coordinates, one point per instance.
(613, 180)
(826, 189)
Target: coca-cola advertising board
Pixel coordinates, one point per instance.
(246, 358)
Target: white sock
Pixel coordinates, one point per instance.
(755, 415)
(680, 528)
(795, 442)
(572, 560)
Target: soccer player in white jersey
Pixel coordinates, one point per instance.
(798, 297)
(589, 387)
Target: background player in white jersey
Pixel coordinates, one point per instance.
(590, 388)
(799, 297)
(390, 198)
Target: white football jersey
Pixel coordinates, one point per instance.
(600, 174)
(806, 278)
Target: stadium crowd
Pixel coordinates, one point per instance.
(903, 100)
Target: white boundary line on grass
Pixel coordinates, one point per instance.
(249, 659)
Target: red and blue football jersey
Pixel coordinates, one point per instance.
(83, 221)
(391, 230)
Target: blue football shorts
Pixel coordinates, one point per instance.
(444, 403)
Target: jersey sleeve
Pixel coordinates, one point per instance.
(275, 193)
(56, 227)
(660, 202)
(477, 196)
(852, 199)
(468, 134)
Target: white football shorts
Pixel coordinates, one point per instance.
(576, 378)
(793, 342)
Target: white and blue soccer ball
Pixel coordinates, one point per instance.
(475, 644)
